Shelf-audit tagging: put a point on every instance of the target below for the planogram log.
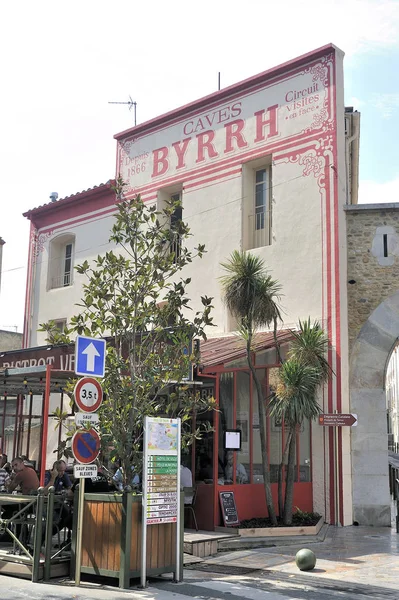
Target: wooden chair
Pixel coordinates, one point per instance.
(191, 492)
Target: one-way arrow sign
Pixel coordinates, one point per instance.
(338, 420)
(90, 356)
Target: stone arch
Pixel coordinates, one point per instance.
(368, 363)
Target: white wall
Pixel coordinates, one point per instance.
(299, 142)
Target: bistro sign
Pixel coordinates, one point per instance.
(61, 358)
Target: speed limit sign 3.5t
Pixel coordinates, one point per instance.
(88, 394)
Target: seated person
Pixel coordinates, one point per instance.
(4, 474)
(58, 477)
(186, 481)
(25, 478)
(117, 478)
(241, 474)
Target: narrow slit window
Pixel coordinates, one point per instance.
(385, 242)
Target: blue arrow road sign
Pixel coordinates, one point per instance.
(90, 356)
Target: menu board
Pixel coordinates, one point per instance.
(229, 509)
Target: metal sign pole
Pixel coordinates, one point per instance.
(178, 522)
(143, 573)
(79, 531)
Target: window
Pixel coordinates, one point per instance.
(257, 204)
(175, 219)
(61, 261)
(60, 325)
(165, 198)
(68, 264)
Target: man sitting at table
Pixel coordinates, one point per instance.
(58, 477)
(25, 478)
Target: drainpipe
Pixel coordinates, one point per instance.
(2, 242)
(352, 174)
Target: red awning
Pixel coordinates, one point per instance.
(217, 351)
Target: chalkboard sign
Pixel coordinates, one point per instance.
(229, 509)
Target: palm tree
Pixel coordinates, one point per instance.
(295, 399)
(252, 297)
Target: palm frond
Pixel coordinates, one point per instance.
(296, 394)
(249, 292)
(309, 346)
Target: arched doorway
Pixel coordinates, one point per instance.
(369, 359)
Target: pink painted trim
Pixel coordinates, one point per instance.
(227, 92)
(28, 289)
(259, 151)
(81, 200)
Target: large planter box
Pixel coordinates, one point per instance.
(282, 531)
(111, 539)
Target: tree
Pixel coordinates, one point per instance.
(137, 297)
(295, 400)
(252, 297)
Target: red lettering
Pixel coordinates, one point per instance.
(236, 109)
(233, 131)
(199, 125)
(160, 161)
(205, 143)
(185, 130)
(181, 148)
(271, 121)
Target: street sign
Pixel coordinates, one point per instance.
(84, 471)
(338, 420)
(90, 356)
(86, 446)
(88, 394)
(86, 419)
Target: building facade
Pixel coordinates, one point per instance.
(265, 165)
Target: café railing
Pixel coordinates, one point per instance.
(30, 514)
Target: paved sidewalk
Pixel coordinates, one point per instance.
(353, 563)
(361, 555)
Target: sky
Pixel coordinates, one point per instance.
(63, 62)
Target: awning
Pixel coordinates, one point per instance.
(32, 380)
(220, 350)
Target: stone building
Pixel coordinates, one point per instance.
(373, 317)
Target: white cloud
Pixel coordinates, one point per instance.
(372, 192)
(387, 104)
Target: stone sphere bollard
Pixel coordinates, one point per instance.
(305, 559)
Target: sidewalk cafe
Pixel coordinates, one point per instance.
(32, 383)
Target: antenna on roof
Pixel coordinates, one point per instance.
(219, 81)
(131, 104)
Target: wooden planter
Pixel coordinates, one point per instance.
(282, 531)
(111, 539)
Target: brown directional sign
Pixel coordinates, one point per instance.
(338, 420)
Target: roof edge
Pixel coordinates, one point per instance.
(225, 92)
(62, 202)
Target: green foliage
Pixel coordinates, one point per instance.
(309, 347)
(250, 293)
(296, 395)
(138, 298)
(252, 296)
(295, 400)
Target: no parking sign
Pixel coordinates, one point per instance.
(86, 446)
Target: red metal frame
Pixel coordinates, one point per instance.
(46, 407)
(250, 497)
